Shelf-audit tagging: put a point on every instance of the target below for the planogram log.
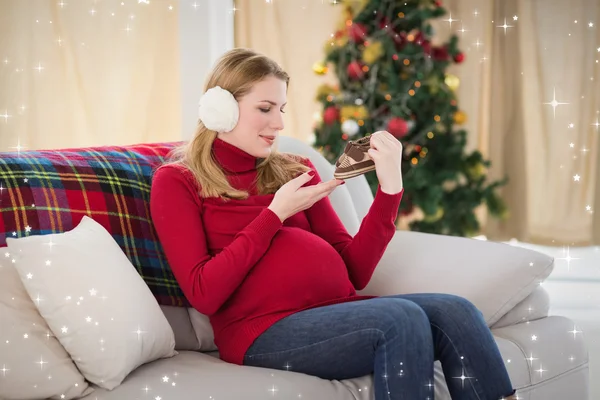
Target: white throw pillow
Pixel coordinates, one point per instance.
(94, 301)
(33, 364)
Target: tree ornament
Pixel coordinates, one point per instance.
(325, 90)
(218, 110)
(355, 71)
(354, 112)
(460, 117)
(397, 127)
(350, 127)
(319, 68)
(317, 118)
(435, 217)
(400, 40)
(433, 84)
(476, 171)
(341, 41)
(440, 53)
(331, 115)
(452, 81)
(385, 22)
(372, 52)
(458, 58)
(357, 32)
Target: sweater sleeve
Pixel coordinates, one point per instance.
(206, 281)
(360, 253)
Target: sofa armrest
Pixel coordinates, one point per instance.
(535, 306)
(495, 277)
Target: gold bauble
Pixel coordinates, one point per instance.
(372, 52)
(341, 41)
(319, 68)
(324, 90)
(476, 171)
(460, 117)
(452, 81)
(436, 217)
(433, 83)
(354, 112)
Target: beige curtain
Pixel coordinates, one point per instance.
(548, 51)
(508, 76)
(82, 73)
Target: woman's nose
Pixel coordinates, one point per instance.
(278, 121)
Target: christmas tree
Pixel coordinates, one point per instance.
(391, 77)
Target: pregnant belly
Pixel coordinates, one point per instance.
(299, 268)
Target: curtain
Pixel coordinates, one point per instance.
(533, 53)
(520, 57)
(83, 73)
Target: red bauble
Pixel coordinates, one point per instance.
(400, 40)
(384, 22)
(419, 38)
(357, 32)
(438, 3)
(397, 127)
(458, 58)
(331, 115)
(355, 70)
(440, 53)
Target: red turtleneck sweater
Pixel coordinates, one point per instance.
(238, 264)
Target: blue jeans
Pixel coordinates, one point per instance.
(395, 338)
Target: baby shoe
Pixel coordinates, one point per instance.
(354, 161)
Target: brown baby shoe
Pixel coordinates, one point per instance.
(355, 161)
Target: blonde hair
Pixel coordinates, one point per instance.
(236, 71)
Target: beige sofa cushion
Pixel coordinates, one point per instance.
(33, 364)
(94, 301)
(495, 277)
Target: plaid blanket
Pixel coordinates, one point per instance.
(43, 192)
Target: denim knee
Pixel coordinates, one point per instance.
(459, 307)
(397, 313)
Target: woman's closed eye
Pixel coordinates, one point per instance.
(266, 110)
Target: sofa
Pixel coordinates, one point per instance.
(92, 204)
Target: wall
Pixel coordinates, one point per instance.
(206, 32)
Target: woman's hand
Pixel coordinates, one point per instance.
(292, 198)
(386, 153)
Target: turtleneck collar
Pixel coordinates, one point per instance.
(233, 159)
